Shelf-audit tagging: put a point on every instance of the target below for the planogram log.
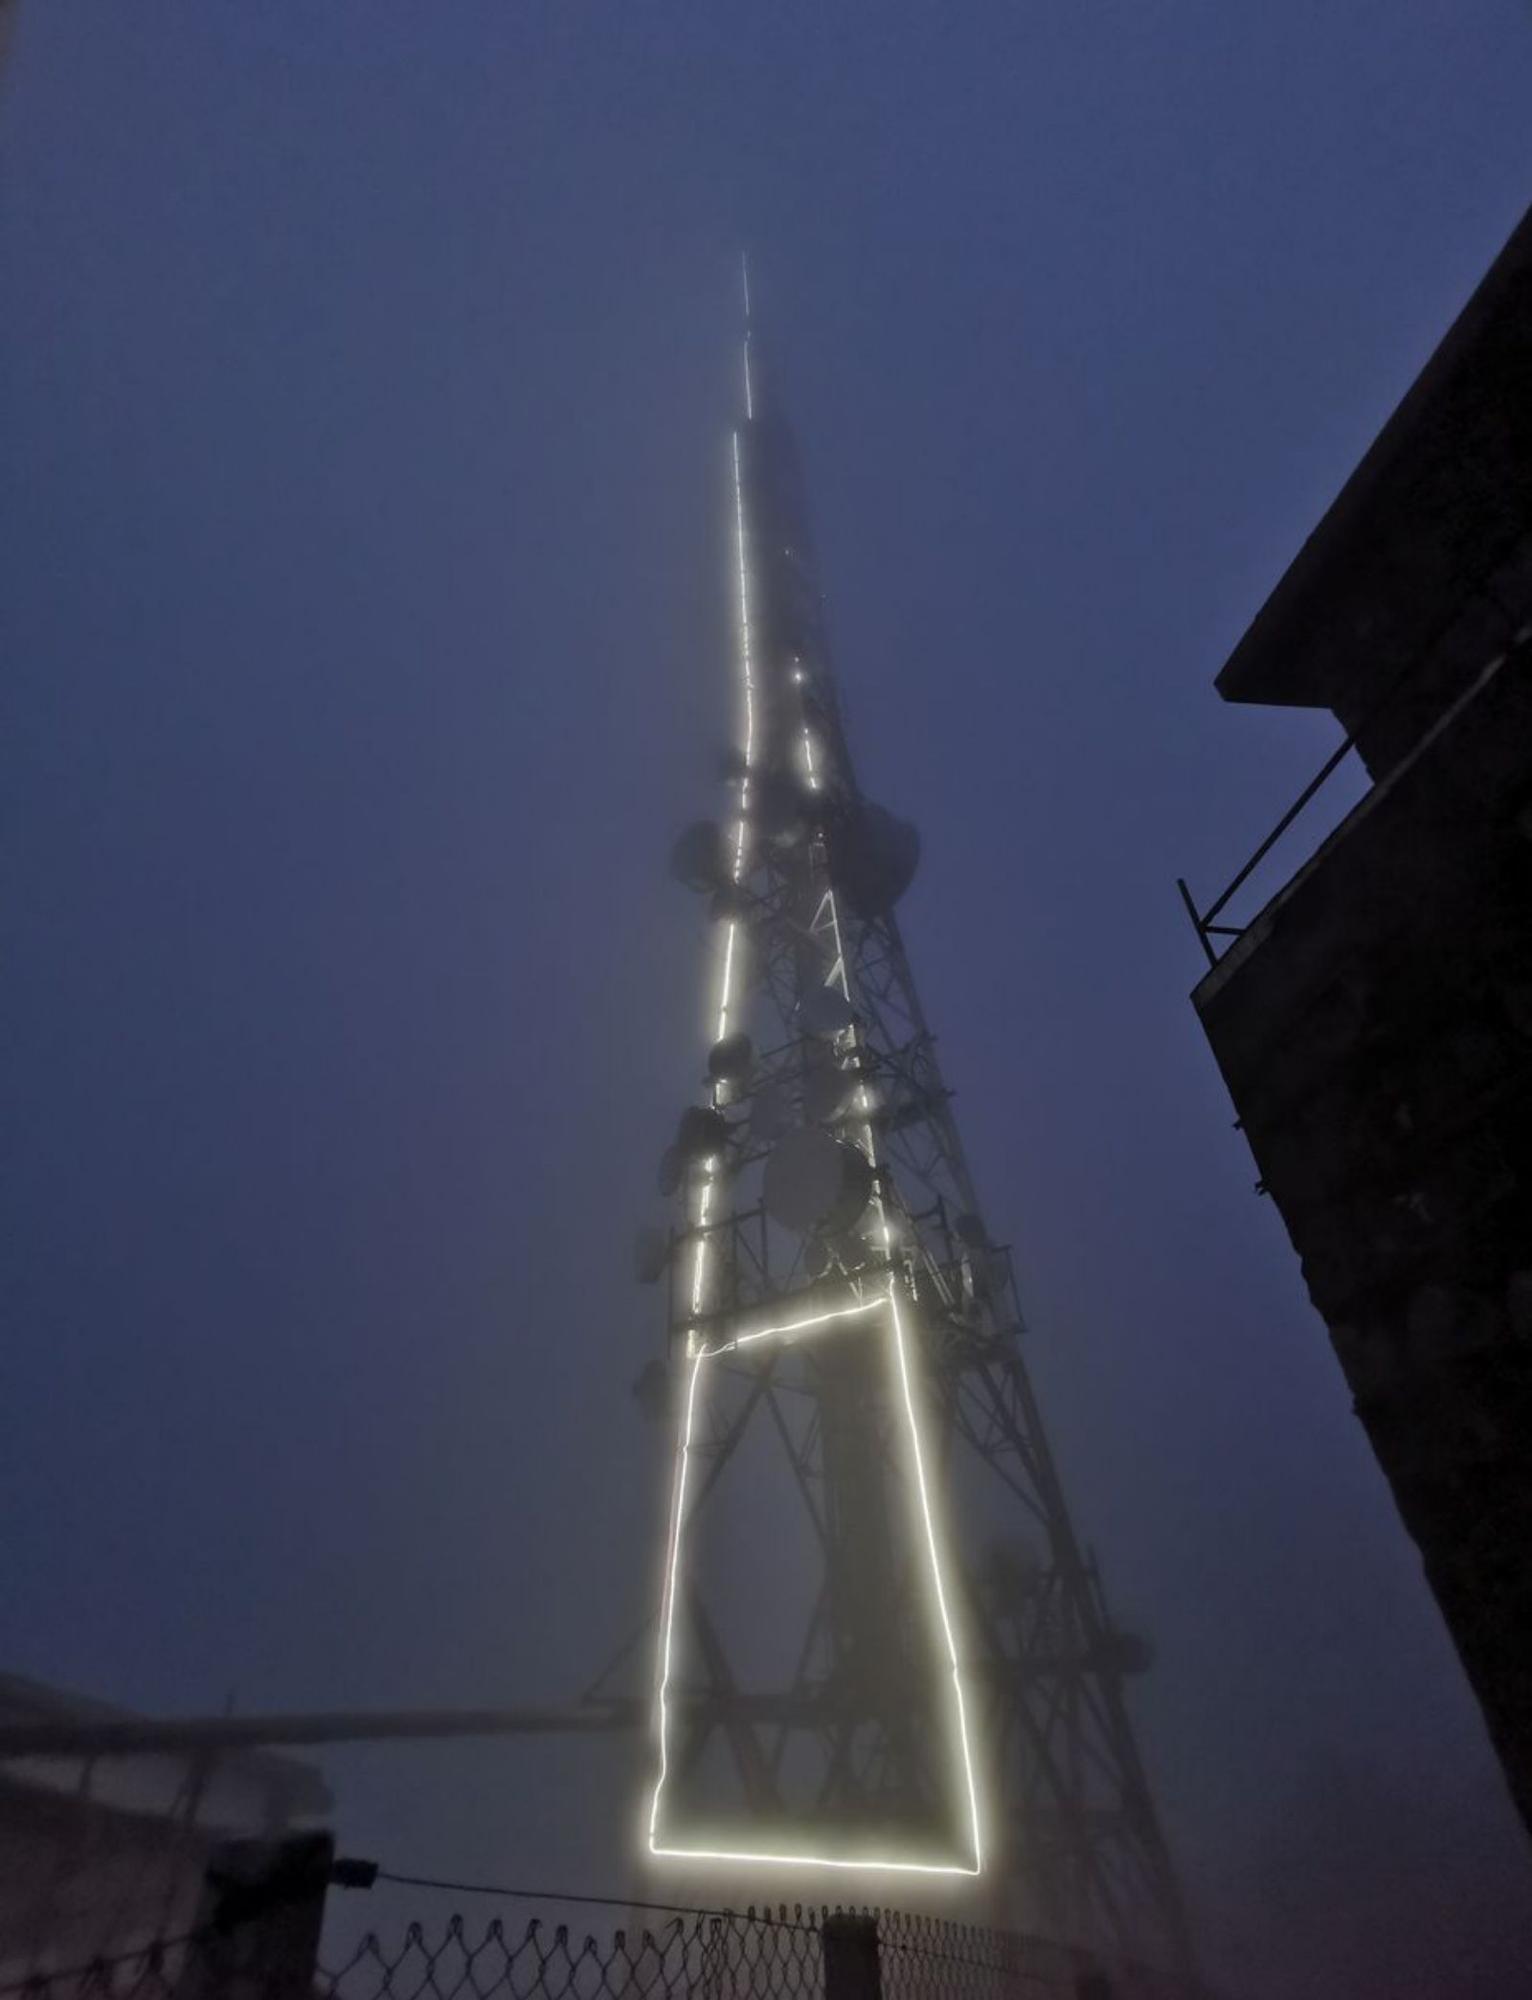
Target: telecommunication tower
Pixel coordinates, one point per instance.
(944, 1694)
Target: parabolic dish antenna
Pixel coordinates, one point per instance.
(770, 1113)
(826, 1093)
(815, 1182)
(697, 858)
(877, 856)
(825, 1011)
(730, 1059)
(701, 1131)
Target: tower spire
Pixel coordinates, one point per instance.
(873, 1588)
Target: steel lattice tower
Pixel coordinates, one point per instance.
(953, 1698)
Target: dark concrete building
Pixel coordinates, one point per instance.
(1374, 1021)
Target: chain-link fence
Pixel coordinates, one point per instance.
(265, 1925)
(715, 1957)
(767, 1954)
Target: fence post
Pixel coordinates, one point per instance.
(852, 1970)
(259, 1920)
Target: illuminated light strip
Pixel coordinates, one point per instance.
(860, 1310)
(672, 1573)
(744, 618)
(936, 1577)
(728, 970)
(749, 399)
(746, 662)
(677, 1514)
(872, 1862)
(744, 783)
(726, 995)
(838, 970)
(699, 1266)
(909, 1405)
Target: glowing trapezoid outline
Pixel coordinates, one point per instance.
(890, 1299)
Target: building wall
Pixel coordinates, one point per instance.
(1374, 1026)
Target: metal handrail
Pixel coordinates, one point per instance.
(1203, 921)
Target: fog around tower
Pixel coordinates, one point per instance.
(367, 377)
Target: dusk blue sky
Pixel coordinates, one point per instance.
(365, 380)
